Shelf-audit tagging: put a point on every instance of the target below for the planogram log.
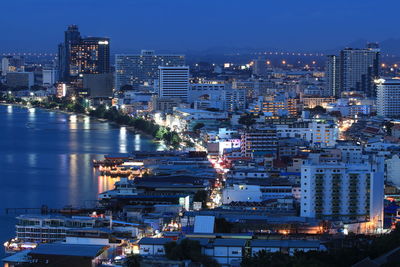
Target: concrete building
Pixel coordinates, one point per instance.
(20, 79)
(393, 170)
(260, 67)
(234, 100)
(276, 105)
(259, 142)
(135, 70)
(353, 70)
(50, 77)
(12, 64)
(98, 85)
(347, 192)
(317, 132)
(77, 55)
(388, 97)
(164, 104)
(332, 87)
(173, 82)
(207, 90)
(256, 191)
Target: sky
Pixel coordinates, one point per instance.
(183, 25)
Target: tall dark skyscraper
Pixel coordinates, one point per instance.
(79, 55)
(353, 70)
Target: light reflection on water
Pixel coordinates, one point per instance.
(46, 158)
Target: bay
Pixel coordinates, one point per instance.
(46, 159)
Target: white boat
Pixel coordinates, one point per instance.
(124, 187)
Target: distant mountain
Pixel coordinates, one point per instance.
(389, 46)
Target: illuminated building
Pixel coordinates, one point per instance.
(279, 105)
(339, 191)
(259, 142)
(135, 70)
(332, 76)
(317, 132)
(388, 97)
(173, 82)
(12, 64)
(234, 99)
(79, 55)
(90, 56)
(312, 102)
(353, 70)
(49, 77)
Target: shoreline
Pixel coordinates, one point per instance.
(129, 128)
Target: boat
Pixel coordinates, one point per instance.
(123, 188)
(16, 245)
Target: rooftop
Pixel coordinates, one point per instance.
(63, 249)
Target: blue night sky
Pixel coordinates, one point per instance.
(180, 25)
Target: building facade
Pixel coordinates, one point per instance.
(353, 70)
(173, 82)
(77, 55)
(343, 192)
(259, 142)
(135, 70)
(388, 97)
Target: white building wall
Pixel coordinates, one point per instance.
(174, 82)
(246, 193)
(388, 97)
(368, 190)
(393, 170)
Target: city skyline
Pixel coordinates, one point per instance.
(180, 25)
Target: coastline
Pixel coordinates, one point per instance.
(129, 128)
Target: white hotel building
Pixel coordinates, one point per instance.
(317, 132)
(347, 192)
(173, 82)
(388, 97)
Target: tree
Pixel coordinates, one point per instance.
(126, 87)
(132, 261)
(318, 109)
(201, 196)
(247, 120)
(37, 88)
(336, 114)
(223, 226)
(388, 126)
(188, 249)
(198, 126)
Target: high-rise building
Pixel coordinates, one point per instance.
(49, 77)
(388, 97)
(353, 70)
(90, 56)
(72, 36)
(347, 192)
(135, 70)
(234, 99)
(79, 55)
(332, 76)
(278, 105)
(12, 64)
(260, 67)
(173, 82)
